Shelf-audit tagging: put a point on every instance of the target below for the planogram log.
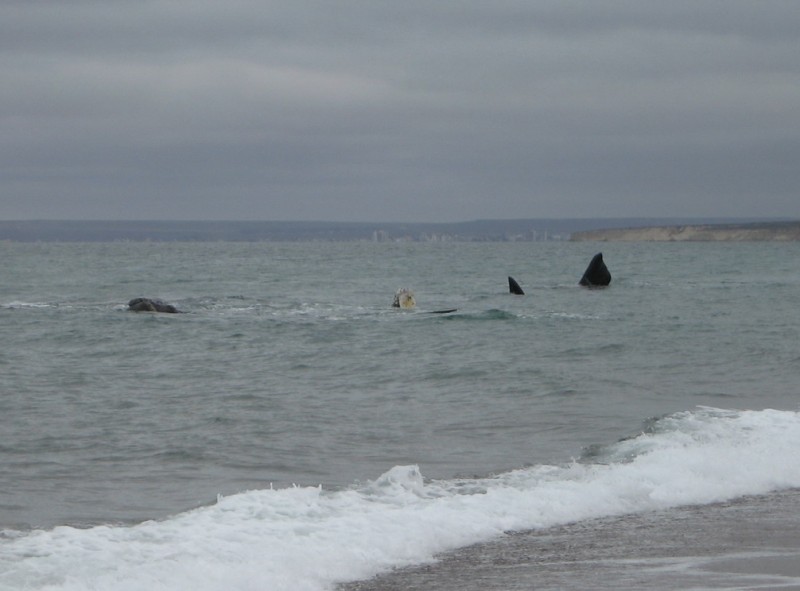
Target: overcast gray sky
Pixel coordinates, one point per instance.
(398, 110)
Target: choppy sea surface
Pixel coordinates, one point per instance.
(291, 430)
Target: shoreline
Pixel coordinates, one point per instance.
(746, 543)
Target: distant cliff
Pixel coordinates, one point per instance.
(766, 231)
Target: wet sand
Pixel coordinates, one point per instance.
(750, 543)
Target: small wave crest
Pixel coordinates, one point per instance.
(397, 483)
(34, 305)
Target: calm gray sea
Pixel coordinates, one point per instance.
(290, 367)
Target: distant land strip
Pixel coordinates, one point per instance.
(500, 230)
(753, 232)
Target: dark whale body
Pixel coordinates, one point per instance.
(596, 274)
(148, 305)
(514, 287)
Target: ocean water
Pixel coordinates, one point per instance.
(293, 431)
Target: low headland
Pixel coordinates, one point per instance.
(749, 232)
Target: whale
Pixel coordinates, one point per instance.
(596, 274)
(404, 298)
(148, 305)
(514, 287)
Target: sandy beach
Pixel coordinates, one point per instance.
(750, 543)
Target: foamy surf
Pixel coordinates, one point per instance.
(307, 538)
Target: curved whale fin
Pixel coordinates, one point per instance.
(596, 274)
(514, 287)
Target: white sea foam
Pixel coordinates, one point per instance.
(309, 539)
(17, 304)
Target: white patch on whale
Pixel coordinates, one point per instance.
(404, 298)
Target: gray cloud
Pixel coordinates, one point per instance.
(413, 111)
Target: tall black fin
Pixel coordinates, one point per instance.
(596, 274)
(514, 287)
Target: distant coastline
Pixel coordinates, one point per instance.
(744, 232)
(513, 230)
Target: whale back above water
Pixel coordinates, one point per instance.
(596, 274)
(148, 305)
